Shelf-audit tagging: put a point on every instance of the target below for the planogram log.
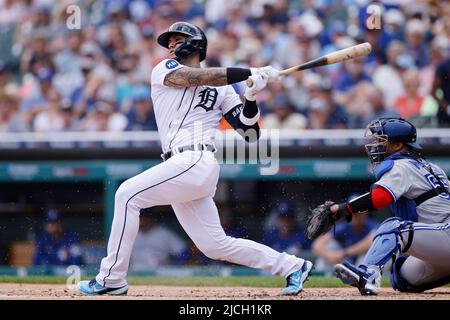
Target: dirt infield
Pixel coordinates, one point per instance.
(14, 291)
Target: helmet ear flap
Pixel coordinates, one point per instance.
(187, 48)
(190, 46)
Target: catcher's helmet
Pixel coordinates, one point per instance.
(196, 40)
(383, 130)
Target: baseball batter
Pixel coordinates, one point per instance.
(189, 102)
(417, 239)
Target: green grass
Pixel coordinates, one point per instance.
(245, 281)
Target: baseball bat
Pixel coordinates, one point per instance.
(352, 52)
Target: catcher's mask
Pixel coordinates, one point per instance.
(383, 130)
(196, 40)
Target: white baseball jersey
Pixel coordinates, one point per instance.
(409, 179)
(180, 112)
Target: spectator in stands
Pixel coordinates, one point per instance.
(375, 103)
(410, 104)
(8, 107)
(338, 118)
(38, 100)
(148, 52)
(348, 241)
(318, 114)
(5, 76)
(156, 245)
(393, 23)
(69, 59)
(286, 235)
(187, 10)
(357, 106)
(283, 115)
(387, 77)
(98, 118)
(439, 51)
(441, 92)
(103, 117)
(98, 81)
(415, 40)
(324, 112)
(50, 119)
(116, 49)
(118, 16)
(11, 12)
(12, 119)
(37, 54)
(141, 115)
(56, 246)
(351, 74)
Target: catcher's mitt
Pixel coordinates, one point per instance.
(320, 220)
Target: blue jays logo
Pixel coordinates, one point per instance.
(170, 64)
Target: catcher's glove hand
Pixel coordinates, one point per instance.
(320, 220)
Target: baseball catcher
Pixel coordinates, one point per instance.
(416, 239)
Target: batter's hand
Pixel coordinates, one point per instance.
(259, 82)
(270, 72)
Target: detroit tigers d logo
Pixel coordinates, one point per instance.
(208, 97)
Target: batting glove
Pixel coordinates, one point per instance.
(259, 82)
(270, 72)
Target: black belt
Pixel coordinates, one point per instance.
(192, 147)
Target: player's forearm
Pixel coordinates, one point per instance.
(244, 119)
(378, 198)
(250, 113)
(216, 77)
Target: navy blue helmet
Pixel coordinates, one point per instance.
(196, 40)
(383, 130)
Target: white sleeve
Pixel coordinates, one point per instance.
(162, 69)
(397, 180)
(231, 100)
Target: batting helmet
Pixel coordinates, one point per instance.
(383, 130)
(196, 40)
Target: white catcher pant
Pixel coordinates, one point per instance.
(429, 259)
(187, 181)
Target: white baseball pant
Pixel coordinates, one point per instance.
(187, 181)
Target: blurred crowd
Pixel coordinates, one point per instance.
(96, 77)
(158, 244)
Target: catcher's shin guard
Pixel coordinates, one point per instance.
(387, 243)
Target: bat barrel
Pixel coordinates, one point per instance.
(353, 52)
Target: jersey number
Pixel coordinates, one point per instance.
(208, 98)
(434, 183)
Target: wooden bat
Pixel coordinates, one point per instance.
(352, 52)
